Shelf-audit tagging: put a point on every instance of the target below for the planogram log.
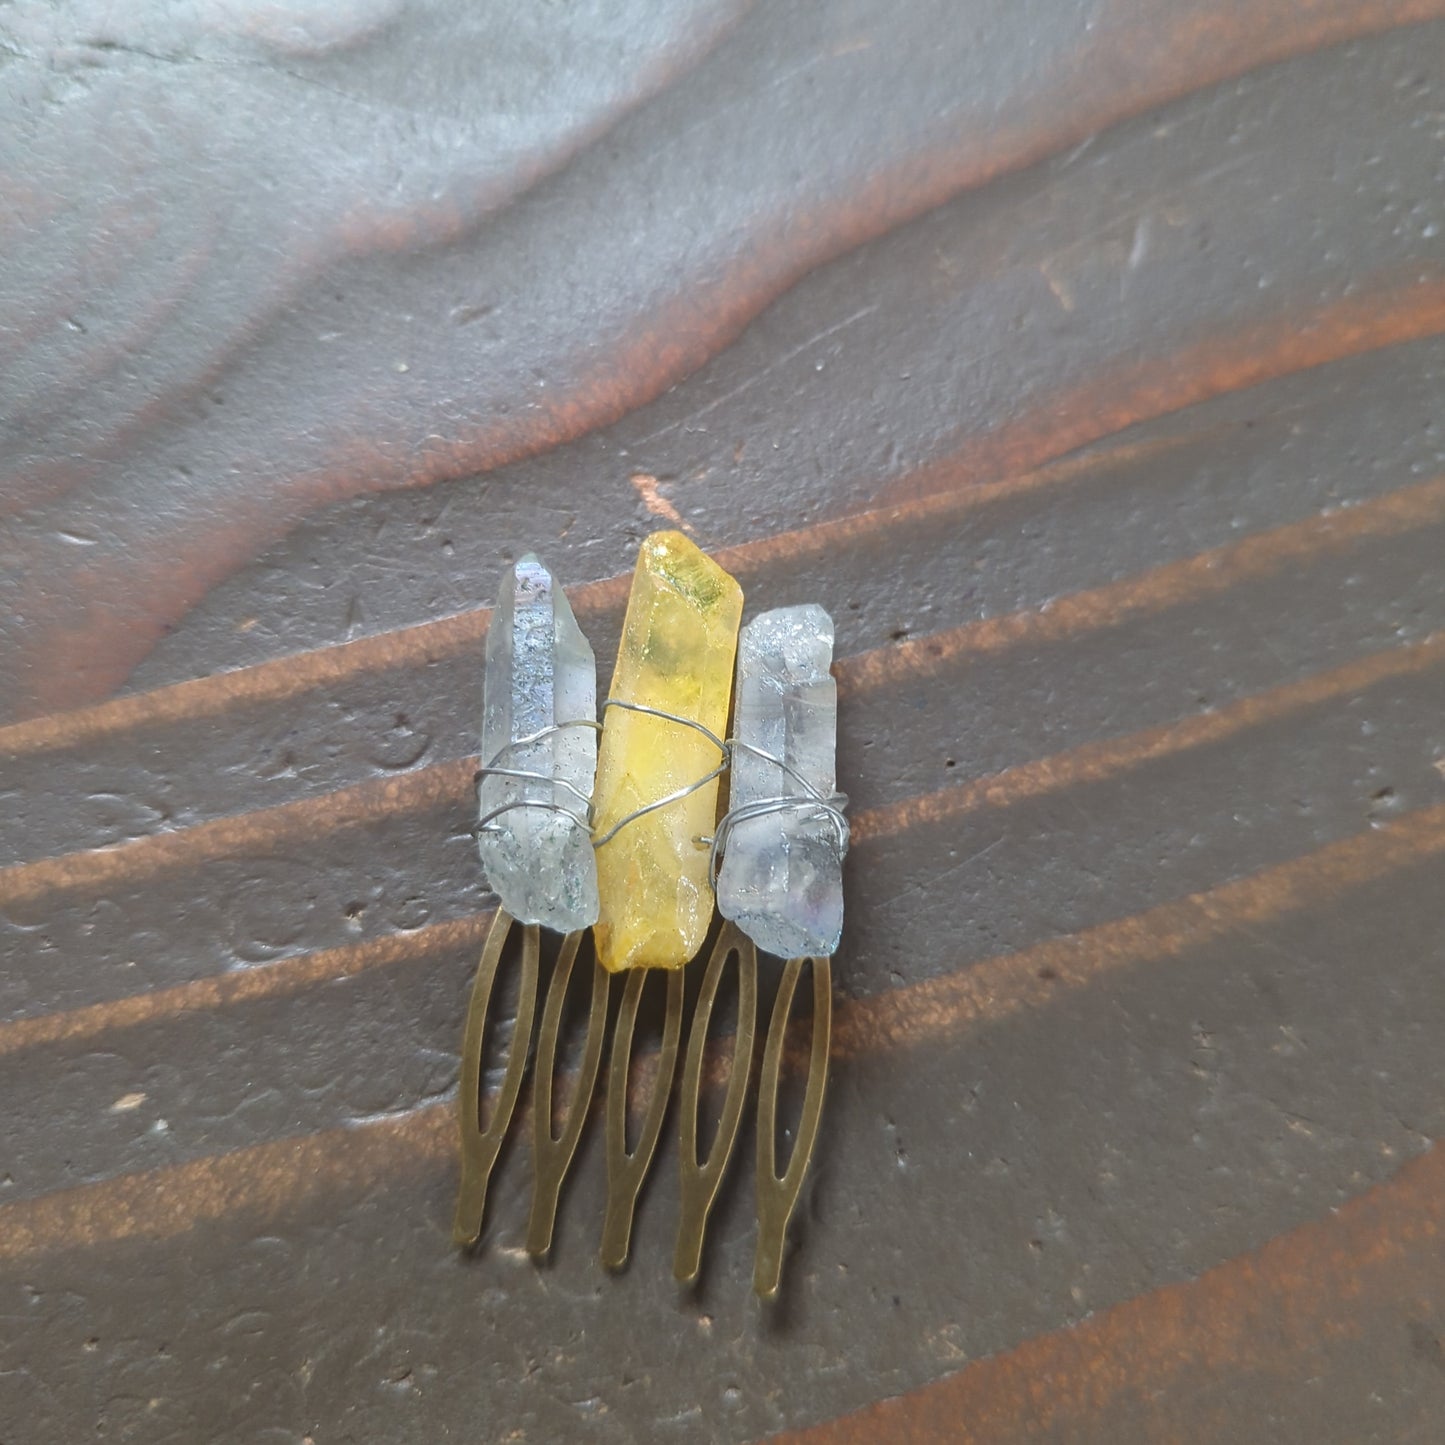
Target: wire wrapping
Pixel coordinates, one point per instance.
(823, 805)
(585, 818)
(828, 806)
(678, 794)
(494, 769)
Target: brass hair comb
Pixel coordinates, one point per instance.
(623, 836)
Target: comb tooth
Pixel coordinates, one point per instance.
(552, 1153)
(701, 1180)
(480, 1146)
(626, 1171)
(778, 1194)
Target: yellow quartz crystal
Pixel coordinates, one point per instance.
(677, 655)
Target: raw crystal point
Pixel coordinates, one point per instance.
(781, 880)
(539, 671)
(677, 653)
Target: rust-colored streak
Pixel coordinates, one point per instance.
(369, 802)
(986, 468)
(1121, 396)
(268, 1181)
(1271, 1310)
(1077, 767)
(1098, 608)
(271, 980)
(277, 680)
(1110, 757)
(248, 686)
(359, 217)
(273, 1177)
(1191, 579)
(299, 673)
(757, 560)
(1131, 62)
(985, 992)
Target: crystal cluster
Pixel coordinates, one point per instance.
(782, 874)
(540, 671)
(676, 655)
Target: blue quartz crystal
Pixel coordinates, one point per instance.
(540, 671)
(781, 879)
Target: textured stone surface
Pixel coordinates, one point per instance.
(539, 671)
(678, 644)
(781, 879)
(1189, 656)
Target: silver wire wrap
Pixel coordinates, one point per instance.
(823, 805)
(811, 799)
(494, 769)
(724, 752)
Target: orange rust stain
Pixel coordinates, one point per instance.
(1207, 574)
(1123, 396)
(353, 807)
(297, 673)
(1171, 56)
(753, 559)
(996, 988)
(289, 975)
(649, 489)
(274, 1177)
(1090, 763)
(1349, 328)
(1077, 767)
(281, 678)
(272, 681)
(1172, 585)
(1271, 1310)
(266, 1180)
(1094, 762)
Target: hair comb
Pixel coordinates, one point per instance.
(613, 825)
